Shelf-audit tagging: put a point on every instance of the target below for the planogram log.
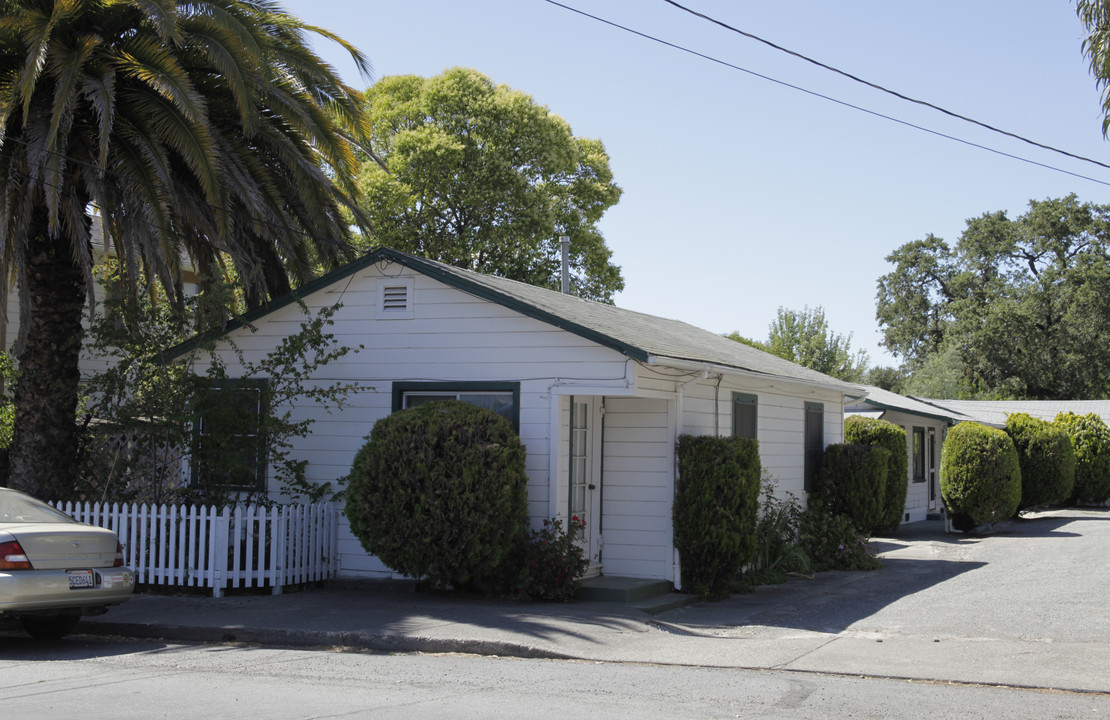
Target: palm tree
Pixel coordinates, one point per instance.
(205, 131)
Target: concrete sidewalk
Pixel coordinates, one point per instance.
(911, 619)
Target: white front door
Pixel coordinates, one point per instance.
(585, 475)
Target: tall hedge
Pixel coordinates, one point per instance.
(980, 476)
(860, 430)
(1047, 460)
(1091, 438)
(439, 492)
(853, 483)
(715, 510)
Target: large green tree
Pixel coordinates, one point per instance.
(804, 337)
(1017, 308)
(205, 131)
(478, 175)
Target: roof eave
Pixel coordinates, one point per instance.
(846, 389)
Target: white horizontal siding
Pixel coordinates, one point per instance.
(780, 423)
(638, 488)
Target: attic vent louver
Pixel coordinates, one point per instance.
(395, 299)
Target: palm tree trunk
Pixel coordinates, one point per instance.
(43, 452)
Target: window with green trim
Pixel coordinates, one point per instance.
(229, 449)
(502, 398)
(745, 415)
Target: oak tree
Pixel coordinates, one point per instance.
(1016, 308)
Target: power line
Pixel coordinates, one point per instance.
(880, 88)
(831, 99)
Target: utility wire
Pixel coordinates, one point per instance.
(813, 93)
(880, 88)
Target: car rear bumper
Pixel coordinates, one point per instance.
(41, 591)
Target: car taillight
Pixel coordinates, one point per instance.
(118, 562)
(12, 557)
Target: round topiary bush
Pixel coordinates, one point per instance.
(980, 477)
(439, 492)
(859, 430)
(1091, 438)
(1046, 457)
(853, 484)
(715, 509)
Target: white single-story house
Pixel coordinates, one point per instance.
(926, 426)
(598, 394)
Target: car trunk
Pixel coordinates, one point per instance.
(57, 546)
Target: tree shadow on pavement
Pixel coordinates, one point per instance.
(915, 559)
(431, 613)
(830, 602)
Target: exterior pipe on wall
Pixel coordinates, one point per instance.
(564, 243)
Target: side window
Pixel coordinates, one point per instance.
(501, 397)
(228, 445)
(744, 415)
(814, 443)
(919, 454)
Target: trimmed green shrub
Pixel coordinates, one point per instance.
(1047, 460)
(859, 430)
(1091, 438)
(439, 492)
(715, 508)
(980, 477)
(853, 483)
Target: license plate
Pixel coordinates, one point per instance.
(81, 579)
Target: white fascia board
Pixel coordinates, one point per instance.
(853, 391)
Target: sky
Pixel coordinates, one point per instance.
(742, 194)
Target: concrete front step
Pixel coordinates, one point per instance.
(651, 596)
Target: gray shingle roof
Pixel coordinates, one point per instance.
(994, 412)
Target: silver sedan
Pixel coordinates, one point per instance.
(54, 569)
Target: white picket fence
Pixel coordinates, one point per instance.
(220, 548)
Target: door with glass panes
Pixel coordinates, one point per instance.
(584, 486)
